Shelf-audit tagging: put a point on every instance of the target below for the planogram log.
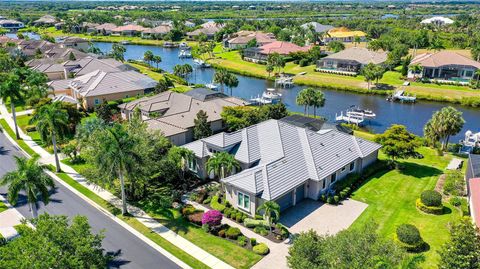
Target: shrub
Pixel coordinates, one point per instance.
(437, 210)
(260, 230)
(30, 128)
(238, 217)
(336, 199)
(253, 241)
(456, 201)
(242, 240)
(212, 218)
(258, 217)
(261, 249)
(187, 210)
(216, 205)
(343, 195)
(195, 218)
(283, 230)
(431, 198)
(201, 195)
(408, 237)
(251, 223)
(226, 212)
(233, 233)
(206, 228)
(330, 200)
(221, 233)
(207, 201)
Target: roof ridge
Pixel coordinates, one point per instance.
(355, 142)
(310, 154)
(101, 76)
(168, 123)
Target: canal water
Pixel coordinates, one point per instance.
(414, 116)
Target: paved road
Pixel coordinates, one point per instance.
(133, 252)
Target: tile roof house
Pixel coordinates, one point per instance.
(351, 60)
(45, 21)
(260, 54)
(75, 42)
(105, 28)
(319, 28)
(473, 186)
(100, 86)
(209, 32)
(241, 39)
(12, 25)
(174, 113)
(31, 47)
(444, 66)
(283, 163)
(343, 34)
(157, 32)
(129, 30)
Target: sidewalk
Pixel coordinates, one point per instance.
(8, 219)
(140, 215)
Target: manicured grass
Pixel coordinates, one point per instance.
(20, 142)
(391, 196)
(364, 135)
(3, 207)
(157, 76)
(223, 249)
(177, 252)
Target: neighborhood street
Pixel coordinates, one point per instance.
(132, 252)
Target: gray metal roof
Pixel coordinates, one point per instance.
(284, 156)
(319, 28)
(314, 124)
(473, 166)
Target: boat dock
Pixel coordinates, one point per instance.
(358, 120)
(284, 82)
(401, 96)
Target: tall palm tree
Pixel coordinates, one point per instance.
(51, 121)
(221, 77)
(477, 73)
(148, 56)
(232, 82)
(222, 164)
(318, 100)
(112, 151)
(11, 89)
(271, 211)
(157, 60)
(301, 100)
(29, 178)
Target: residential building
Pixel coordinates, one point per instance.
(75, 43)
(209, 32)
(444, 66)
(283, 163)
(31, 48)
(438, 20)
(98, 86)
(89, 27)
(473, 186)
(241, 39)
(11, 25)
(156, 32)
(318, 27)
(106, 28)
(343, 34)
(351, 60)
(174, 113)
(46, 20)
(129, 30)
(315, 124)
(189, 24)
(260, 54)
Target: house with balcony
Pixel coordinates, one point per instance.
(443, 66)
(350, 61)
(282, 162)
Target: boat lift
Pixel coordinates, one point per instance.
(352, 119)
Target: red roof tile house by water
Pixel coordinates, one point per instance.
(261, 53)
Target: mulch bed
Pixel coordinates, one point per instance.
(440, 183)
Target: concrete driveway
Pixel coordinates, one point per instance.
(323, 218)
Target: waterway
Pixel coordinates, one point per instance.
(414, 116)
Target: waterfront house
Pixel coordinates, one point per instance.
(105, 29)
(260, 54)
(283, 163)
(241, 39)
(11, 25)
(129, 30)
(31, 48)
(157, 32)
(443, 66)
(46, 20)
(350, 61)
(343, 34)
(209, 32)
(98, 86)
(174, 113)
(75, 43)
(473, 186)
(89, 27)
(317, 27)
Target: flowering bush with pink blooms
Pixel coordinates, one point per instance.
(212, 218)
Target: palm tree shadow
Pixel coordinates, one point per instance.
(4, 151)
(115, 260)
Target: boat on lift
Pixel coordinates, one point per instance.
(211, 86)
(269, 96)
(470, 142)
(201, 64)
(272, 94)
(184, 45)
(184, 54)
(358, 112)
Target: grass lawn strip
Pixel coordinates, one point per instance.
(391, 199)
(3, 207)
(20, 142)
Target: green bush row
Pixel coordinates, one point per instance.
(436, 210)
(215, 204)
(251, 223)
(234, 214)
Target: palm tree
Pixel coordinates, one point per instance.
(148, 56)
(270, 208)
(222, 164)
(11, 89)
(157, 59)
(477, 73)
(181, 157)
(232, 82)
(29, 178)
(112, 151)
(51, 121)
(317, 101)
(221, 77)
(301, 100)
(416, 68)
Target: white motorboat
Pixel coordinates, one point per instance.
(358, 112)
(470, 142)
(211, 86)
(272, 94)
(200, 63)
(184, 54)
(184, 45)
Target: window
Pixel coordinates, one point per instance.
(192, 164)
(343, 169)
(334, 177)
(243, 201)
(352, 166)
(97, 101)
(468, 73)
(323, 187)
(212, 150)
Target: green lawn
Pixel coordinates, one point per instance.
(391, 201)
(3, 207)
(157, 76)
(20, 142)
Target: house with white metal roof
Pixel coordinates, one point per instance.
(282, 162)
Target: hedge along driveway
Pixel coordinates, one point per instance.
(391, 197)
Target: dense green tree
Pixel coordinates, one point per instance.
(462, 251)
(86, 129)
(29, 178)
(201, 128)
(182, 70)
(55, 243)
(397, 142)
(51, 121)
(148, 56)
(118, 52)
(277, 61)
(335, 46)
(369, 73)
(444, 123)
(221, 77)
(11, 90)
(104, 112)
(157, 60)
(222, 164)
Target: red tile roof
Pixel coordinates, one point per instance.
(474, 190)
(130, 27)
(282, 47)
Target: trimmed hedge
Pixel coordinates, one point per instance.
(436, 210)
(261, 249)
(187, 210)
(409, 234)
(216, 205)
(233, 233)
(251, 223)
(431, 198)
